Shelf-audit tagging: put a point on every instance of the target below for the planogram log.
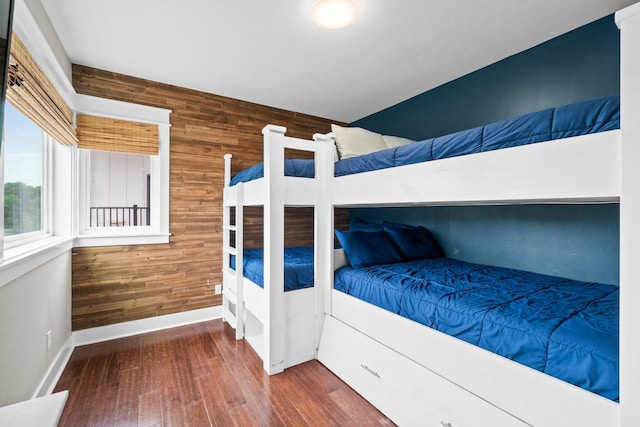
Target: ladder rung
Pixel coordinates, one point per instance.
(229, 227)
(230, 250)
(229, 271)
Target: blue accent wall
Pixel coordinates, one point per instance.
(579, 65)
(575, 241)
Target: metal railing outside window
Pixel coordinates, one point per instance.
(119, 216)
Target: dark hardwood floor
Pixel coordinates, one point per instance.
(199, 375)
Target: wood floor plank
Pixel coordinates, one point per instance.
(199, 375)
(173, 407)
(283, 406)
(150, 409)
(227, 383)
(217, 410)
(127, 399)
(101, 414)
(312, 414)
(196, 415)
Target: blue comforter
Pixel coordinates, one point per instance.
(298, 267)
(596, 115)
(565, 328)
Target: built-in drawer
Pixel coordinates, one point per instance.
(405, 391)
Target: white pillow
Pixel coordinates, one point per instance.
(395, 141)
(353, 142)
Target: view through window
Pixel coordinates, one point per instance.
(23, 174)
(120, 194)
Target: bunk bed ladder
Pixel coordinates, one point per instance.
(232, 293)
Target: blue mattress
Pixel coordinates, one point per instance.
(596, 115)
(565, 328)
(298, 267)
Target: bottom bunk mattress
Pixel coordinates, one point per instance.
(298, 267)
(565, 328)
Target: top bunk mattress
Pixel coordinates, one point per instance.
(298, 267)
(565, 328)
(592, 116)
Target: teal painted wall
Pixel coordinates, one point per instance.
(577, 241)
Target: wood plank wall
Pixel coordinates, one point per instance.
(122, 283)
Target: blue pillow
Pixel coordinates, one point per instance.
(362, 225)
(415, 242)
(367, 248)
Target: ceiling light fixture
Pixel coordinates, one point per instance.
(334, 14)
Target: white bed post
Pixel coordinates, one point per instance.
(628, 20)
(324, 223)
(274, 321)
(239, 233)
(227, 169)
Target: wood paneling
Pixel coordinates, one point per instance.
(121, 283)
(298, 226)
(199, 375)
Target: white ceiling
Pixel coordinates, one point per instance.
(269, 51)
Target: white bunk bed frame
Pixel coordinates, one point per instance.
(421, 376)
(424, 377)
(282, 327)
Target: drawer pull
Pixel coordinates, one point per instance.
(446, 424)
(371, 371)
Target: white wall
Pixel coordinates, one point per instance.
(30, 306)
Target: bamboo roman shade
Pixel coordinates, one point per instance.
(31, 92)
(102, 133)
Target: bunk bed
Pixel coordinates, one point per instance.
(271, 305)
(422, 376)
(425, 376)
(418, 375)
(359, 341)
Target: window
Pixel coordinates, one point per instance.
(37, 165)
(25, 183)
(119, 198)
(123, 173)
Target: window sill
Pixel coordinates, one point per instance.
(21, 259)
(89, 240)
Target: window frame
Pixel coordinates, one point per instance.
(158, 231)
(30, 250)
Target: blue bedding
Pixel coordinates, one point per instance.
(565, 328)
(298, 267)
(596, 115)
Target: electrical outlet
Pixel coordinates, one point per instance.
(48, 340)
(218, 289)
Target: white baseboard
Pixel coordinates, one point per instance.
(120, 330)
(52, 376)
(135, 327)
